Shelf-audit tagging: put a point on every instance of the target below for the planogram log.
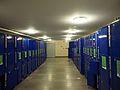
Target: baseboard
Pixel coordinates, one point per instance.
(61, 56)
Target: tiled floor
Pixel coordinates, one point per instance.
(55, 74)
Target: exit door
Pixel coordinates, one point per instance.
(50, 49)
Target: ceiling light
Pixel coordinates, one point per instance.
(67, 38)
(44, 37)
(69, 35)
(79, 20)
(72, 31)
(30, 30)
(49, 40)
(9, 37)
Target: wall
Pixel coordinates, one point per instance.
(61, 48)
(58, 48)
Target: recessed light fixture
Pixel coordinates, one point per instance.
(44, 37)
(79, 20)
(72, 31)
(67, 38)
(49, 40)
(30, 30)
(69, 35)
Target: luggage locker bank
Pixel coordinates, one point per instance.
(97, 56)
(19, 57)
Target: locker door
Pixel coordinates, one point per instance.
(2, 61)
(115, 55)
(19, 58)
(11, 69)
(25, 57)
(2, 51)
(10, 53)
(29, 57)
(104, 59)
(81, 60)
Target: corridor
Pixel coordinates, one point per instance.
(55, 74)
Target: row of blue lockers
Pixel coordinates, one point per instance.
(97, 56)
(19, 57)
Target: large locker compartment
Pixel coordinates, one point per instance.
(75, 59)
(85, 56)
(19, 57)
(11, 68)
(24, 57)
(33, 46)
(92, 71)
(70, 51)
(42, 51)
(104, 77)
(81, 63)
(35, 53)
(2, 61)
(29, 61)
(38, 53)
(115, 55)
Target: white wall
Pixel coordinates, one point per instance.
(61, 48)
(58, 48)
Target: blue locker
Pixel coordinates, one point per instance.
(85, 55)
(2, 61)
(24, 57)
(115, 55)
(19, 57)
(71, 43)
(11, 68)
(33, 55)
(81, 58)
(38, 59)
(36, 56)
(41, 51)
(29, 56)
(92, 74)
(75, 53)
(35, 50)
(104, 77)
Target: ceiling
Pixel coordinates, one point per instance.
(52, 17)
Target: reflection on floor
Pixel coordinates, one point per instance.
(55, 74)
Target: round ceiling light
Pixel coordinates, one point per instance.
(79, 20)
(72, 31)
